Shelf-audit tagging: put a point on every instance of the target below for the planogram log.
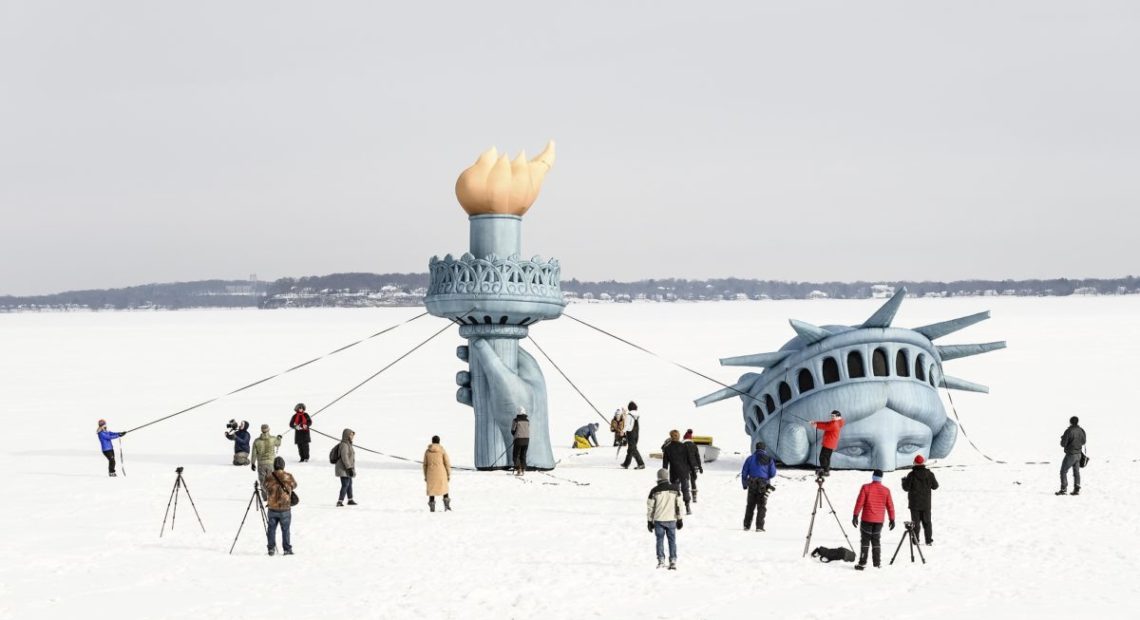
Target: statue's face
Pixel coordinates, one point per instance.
(884, 440)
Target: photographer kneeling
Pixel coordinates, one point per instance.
(239, 434)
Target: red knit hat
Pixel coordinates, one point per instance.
(688, 434)
(102, 422)
(918, 460)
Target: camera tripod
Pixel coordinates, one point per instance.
(820, 495)
(911, 535)
(256, 497)
(179, 483)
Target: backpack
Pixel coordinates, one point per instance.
(334, 456)
(826, 555)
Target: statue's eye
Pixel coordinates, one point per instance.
(855, 450)
(909, 448)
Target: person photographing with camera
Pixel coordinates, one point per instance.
(918, 484)
(239, 434)
(874, 503)
(829, 442)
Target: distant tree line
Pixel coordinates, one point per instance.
(245, 293)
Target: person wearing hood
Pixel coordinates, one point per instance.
(437, 474)
(264, 451)
(240, 437)
(105, 439)
(873, 505)
(586, 436)
(679, 463)
(756, 477)
(918, 484)
(345, 466)
(617, 426)
(300, 423)
(520, 430)
(631, 438)
(663, 517)
(695, 464)
(279, 485)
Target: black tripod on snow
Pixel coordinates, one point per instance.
(179, 483)
(912, 535)
(256, 497)
(820, 495)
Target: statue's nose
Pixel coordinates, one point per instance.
(884, 459)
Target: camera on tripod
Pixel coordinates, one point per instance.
(178, 470)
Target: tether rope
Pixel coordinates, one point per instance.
(259, 382)
(384, 454)
(556, 367)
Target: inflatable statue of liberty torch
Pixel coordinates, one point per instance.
(496, 297)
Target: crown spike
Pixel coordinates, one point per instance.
(810, 333)
(728, 392)
(938, 330)
(954, 383)
(884, 315)
(954, 351)
(756, 360)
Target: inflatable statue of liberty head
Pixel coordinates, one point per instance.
(883, 379)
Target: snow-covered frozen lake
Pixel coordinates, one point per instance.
(78, 543)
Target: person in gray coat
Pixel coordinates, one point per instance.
(520, 430)
(1073, 441)
(346, 466)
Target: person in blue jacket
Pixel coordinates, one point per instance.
(105, 437)
(239, 434)
(756, 476)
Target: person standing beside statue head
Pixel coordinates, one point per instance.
(300, 423)
(830, 440)
(1073, 441)
(918, 484)
(520, 430)
(873, 505)
(756, 478)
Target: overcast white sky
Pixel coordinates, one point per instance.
(160, 141)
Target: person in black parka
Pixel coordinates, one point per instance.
(679, 462)
(695, 465)
(300, 424)
(918, 484)
(1073, 441)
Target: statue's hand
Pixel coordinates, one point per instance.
(501, 391)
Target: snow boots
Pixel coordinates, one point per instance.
(672, 564)
(661, 563)
(431, 504)
(1077, 490)
(446, 504)
(694, 496)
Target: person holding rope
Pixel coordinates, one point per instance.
(279, 485)
(108, 448)
(437, 474)
(586, 436)
(343, 455)
(300, 424)
(617, 426)
(874, 503)
(264, 451)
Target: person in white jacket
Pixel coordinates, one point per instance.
(663, 517)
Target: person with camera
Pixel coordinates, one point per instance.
(279, 485)
(918, 484)
(300, 424)
(239, 434)
(756, 477)
(105, 439)
(874, 503)
(345, 460)
(264, 451)
(830, 441)
(664, 517)
(1073, 441)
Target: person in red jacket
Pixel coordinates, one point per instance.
(874, 500)
(830, 441)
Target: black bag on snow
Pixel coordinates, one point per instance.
(334, 455)
(826, 555)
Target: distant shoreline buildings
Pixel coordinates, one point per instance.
(363, 290)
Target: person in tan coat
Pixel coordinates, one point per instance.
(437, 474)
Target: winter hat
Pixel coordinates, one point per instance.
(689, 434)
(522, 411)
(1073, 420)
(662, 475)
(435, 438)
(918, 460)
(836, 414)
(877, 475)
(102, 423)
(265, 428)
(278, 463)
(760, 445)
(632, 406)
(243, 426)
(299, 407)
